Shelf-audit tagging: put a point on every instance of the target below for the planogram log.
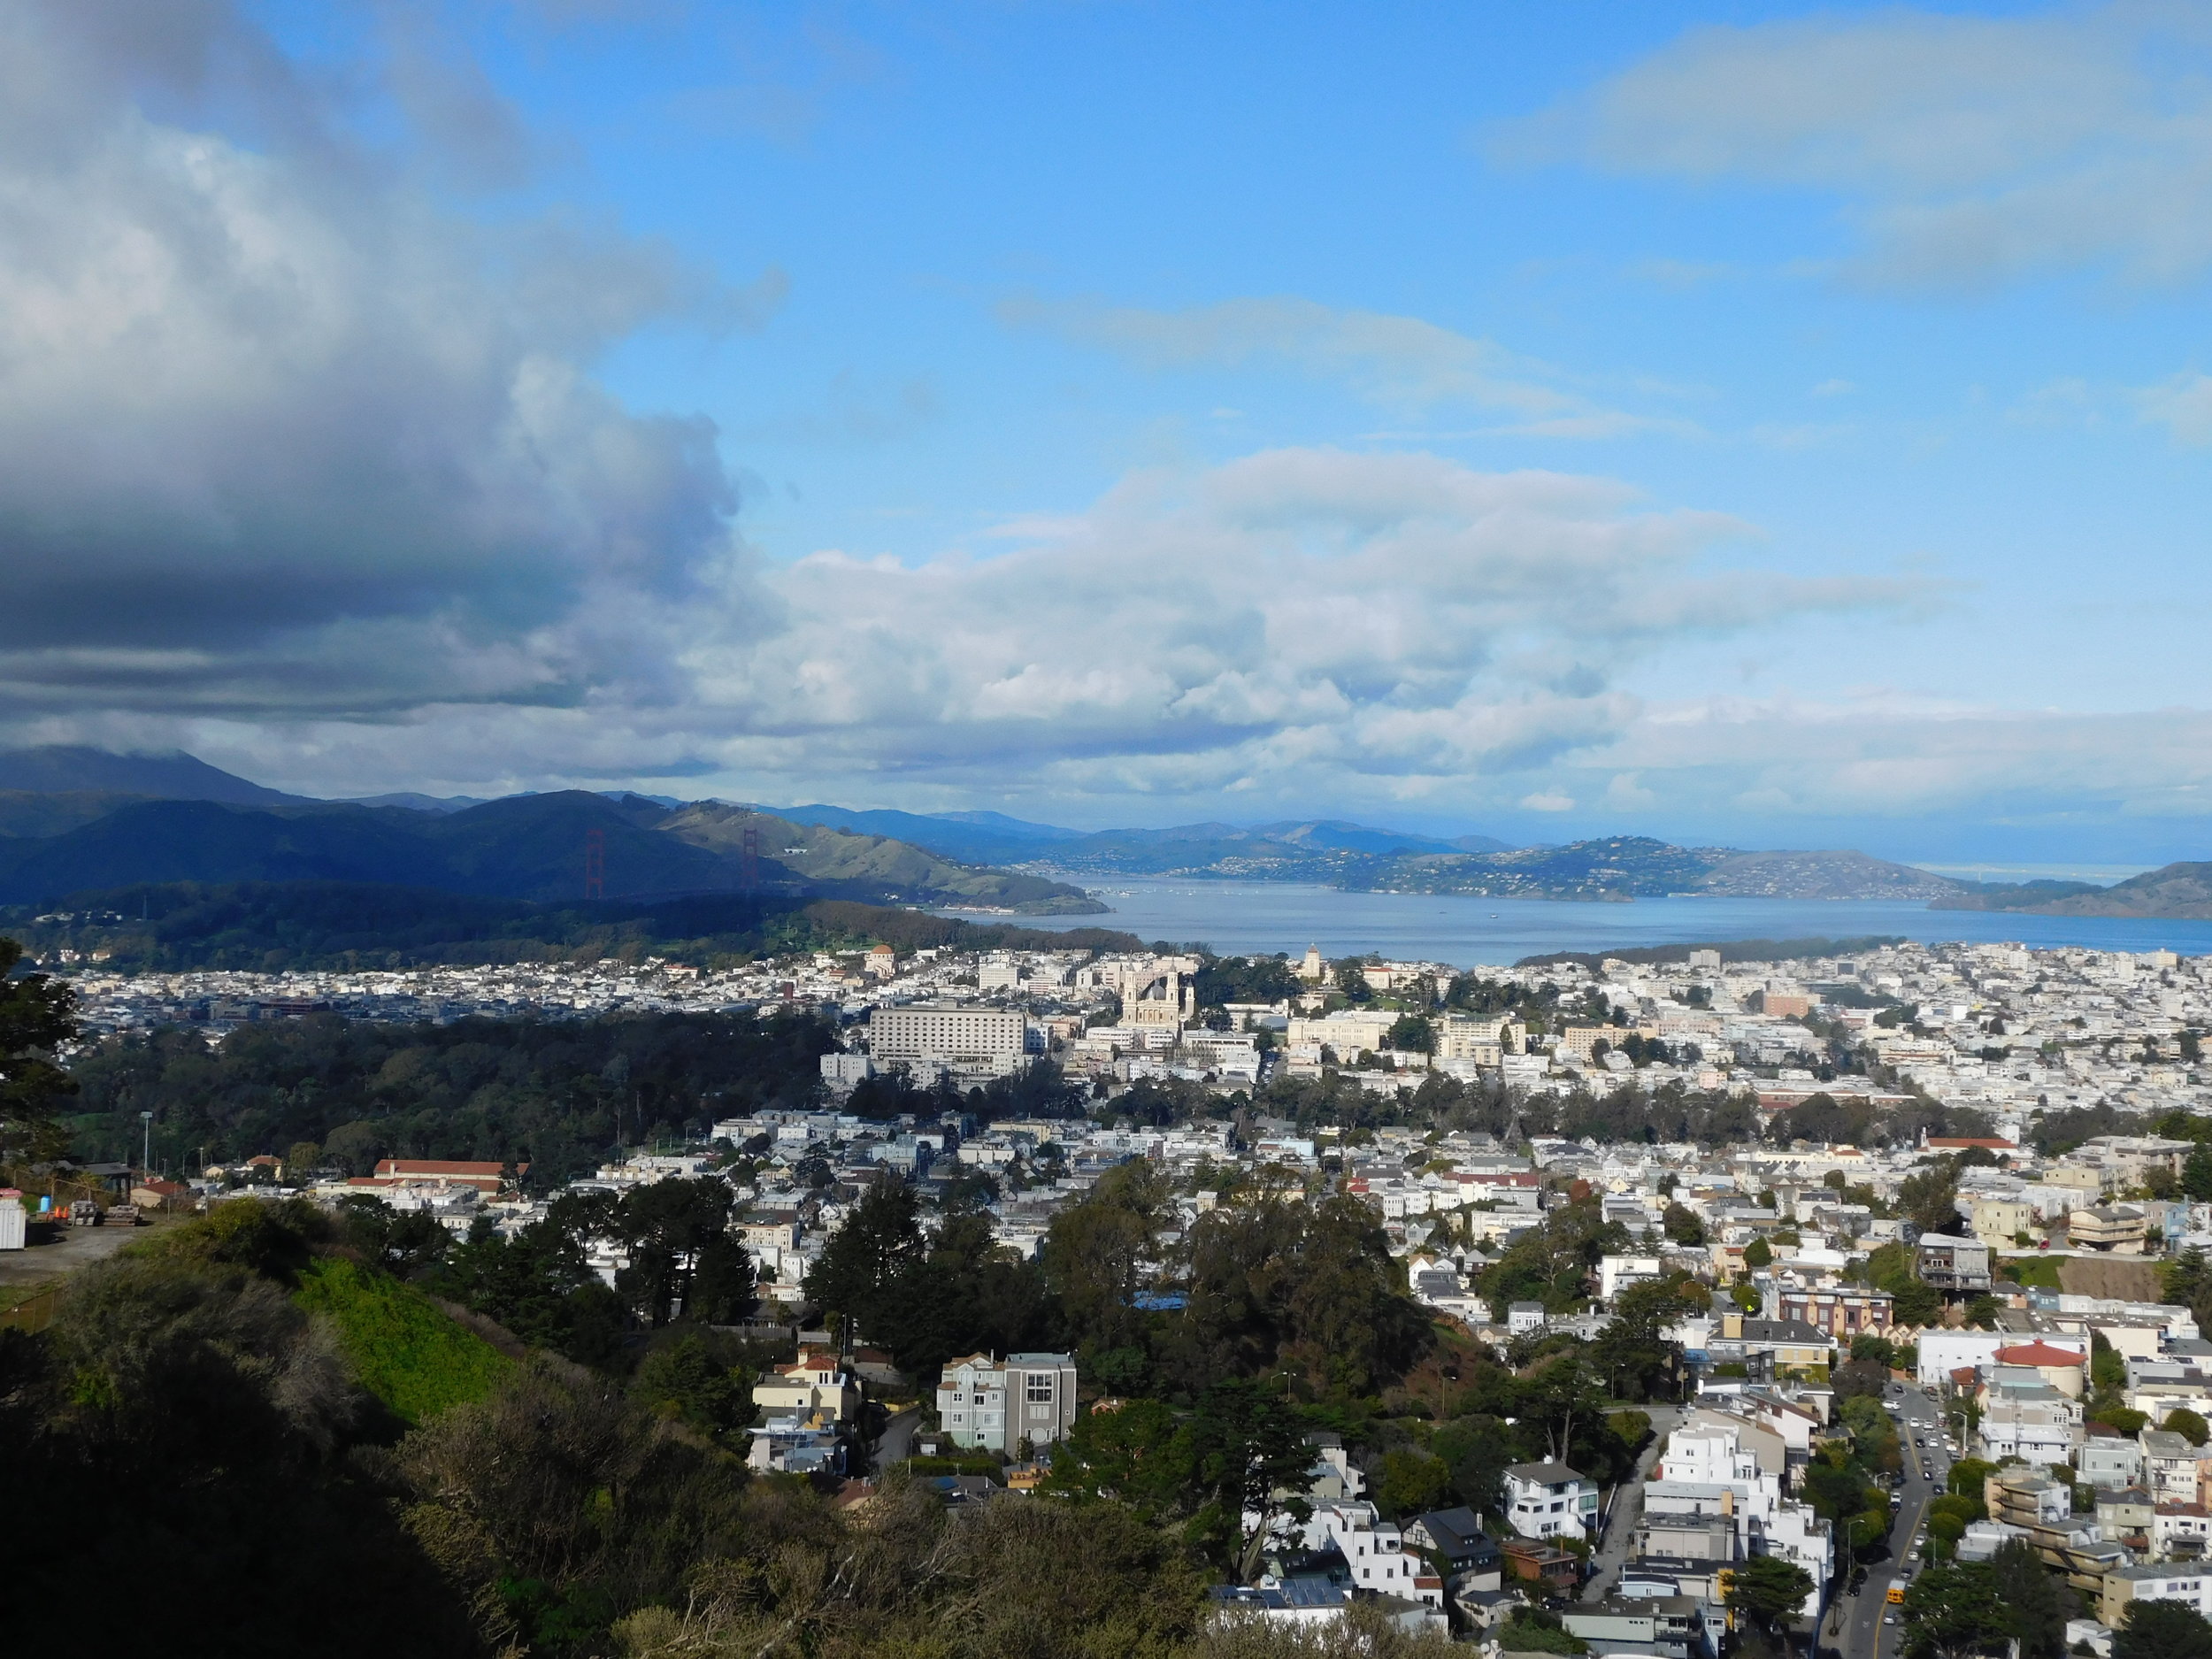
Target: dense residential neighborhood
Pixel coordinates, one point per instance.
(1912, 1240)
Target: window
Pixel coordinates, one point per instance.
(1039, 1387)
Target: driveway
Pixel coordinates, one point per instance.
(73, 1249)
(1628, 1508)
(895, 1444)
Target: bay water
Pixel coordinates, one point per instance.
(1243, 917)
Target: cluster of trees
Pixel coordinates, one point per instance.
(1980, 1607)
(1894, 1268)
(222, 1462)
(930, 1297)
(1279, 1283)
(1224, 980)
(1846, 1481)
(554, 1095)
(36, 1017)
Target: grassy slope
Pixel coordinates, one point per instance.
(825, 853)
(407, 1353)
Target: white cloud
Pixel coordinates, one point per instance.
(1551, 801)
(1964, 149)
(1300, 623)
(2183, 405)
(1402, 363)
(1882, 755)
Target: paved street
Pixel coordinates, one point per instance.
(1628, 1508)
(1854, 1626)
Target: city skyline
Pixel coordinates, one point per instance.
(1733, 424)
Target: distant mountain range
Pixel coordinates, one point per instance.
(2177, 892)
(532, 847)
(74, 818)
(1294, 849)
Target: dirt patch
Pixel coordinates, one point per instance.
(2125, 1279)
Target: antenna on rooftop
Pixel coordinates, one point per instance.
(595, 863)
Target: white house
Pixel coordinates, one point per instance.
(1550, 1501)
(2039, 1432)
(2180, 1529)
(1616, 1273)
(1375, 1550)
(2170, 1466)
(1714, 1468)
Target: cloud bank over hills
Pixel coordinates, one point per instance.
(324, 453)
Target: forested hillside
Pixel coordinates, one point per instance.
(565, 845)
(270, 926)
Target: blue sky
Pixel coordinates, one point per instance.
(1731, 423)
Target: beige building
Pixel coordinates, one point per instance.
(1485, 1041)
(1174, 1006)
(2188, 1582)
(1346, 1032)
(2117, 1228)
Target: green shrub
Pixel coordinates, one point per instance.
(406, 1353)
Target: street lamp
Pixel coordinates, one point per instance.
(146, 1157)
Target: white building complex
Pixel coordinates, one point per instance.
(1713, 1474)
(928, 1039)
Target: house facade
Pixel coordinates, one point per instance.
(815, 1383)
(1550, 1501)
(989, 1404)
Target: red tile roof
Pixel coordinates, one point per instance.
(2037, 1353)
(442, 1166)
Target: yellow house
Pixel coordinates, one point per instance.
(1996, 1221)
(816, 1383)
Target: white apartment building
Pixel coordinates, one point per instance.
(1711, 1468)
(2170, 1466)
(929, 1038)
(993, 1405)
(1550, 1501)
(1375, 1550)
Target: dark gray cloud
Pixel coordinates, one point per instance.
(279, 431)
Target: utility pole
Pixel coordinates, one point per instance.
(146, 1156)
